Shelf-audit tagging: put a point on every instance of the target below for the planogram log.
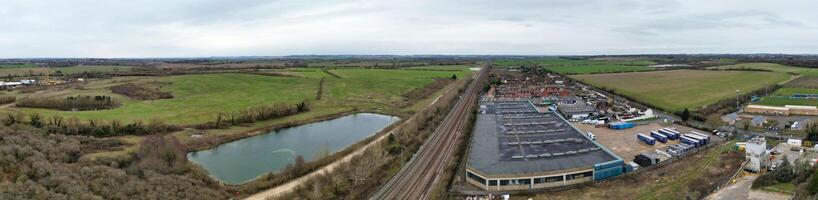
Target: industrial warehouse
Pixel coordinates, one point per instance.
(515, 147)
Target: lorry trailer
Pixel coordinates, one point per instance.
(705, 136)
(690, 141)
(661, 137)
(702, 140)
(670, 134)
(646, 139)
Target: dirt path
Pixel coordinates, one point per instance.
(290, 186)
(736, 191)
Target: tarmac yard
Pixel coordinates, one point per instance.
(624, 143)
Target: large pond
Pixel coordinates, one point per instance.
(243, 160)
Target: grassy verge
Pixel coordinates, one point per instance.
(788, 188)
(673, 188)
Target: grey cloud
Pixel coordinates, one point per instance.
(162, 28)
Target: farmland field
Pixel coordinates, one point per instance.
(441, 67)
(772, 67)
(32, 70)
(570, 66)
(23, 70)
(197, 98)
(88, 68)
(676, 90)
(17, 65)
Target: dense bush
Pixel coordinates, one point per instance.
(96, 128)
(781, 174)
(71, 103)
(812, 186)
(6, 99)
(36, 165)
(250, 115)
(420, 93)
(140, 92)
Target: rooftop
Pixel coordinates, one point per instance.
(511, 137)
(578, 107)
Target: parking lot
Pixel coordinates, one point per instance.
(624, 143)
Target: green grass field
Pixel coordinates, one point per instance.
(570, 66)
(441, 67)
(676, 90)
(779, 97)
(772, 67)
(781, 187)
(197, 98)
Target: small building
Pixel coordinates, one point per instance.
(767, 110)
(758, 121)
(756, 154)
(730, 119)
(802, 110)
(794, 142)
(575, 108)
(786, 110)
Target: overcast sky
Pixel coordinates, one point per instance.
(185, 28)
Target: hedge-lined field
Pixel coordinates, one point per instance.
(198, 98)
(675, 90)
(586, 66)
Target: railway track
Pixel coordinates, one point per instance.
(419, 176)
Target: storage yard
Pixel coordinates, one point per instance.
(625, 143)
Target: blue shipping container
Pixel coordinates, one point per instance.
(690, 141)
(705, 136)
(669, 134)
(662, 138)
(647, 139)
(702, 140)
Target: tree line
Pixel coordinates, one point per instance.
(72, 103)
(253, 114)
(96, 128)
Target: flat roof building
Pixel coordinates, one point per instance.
(786, 110)
(575, 108)
(515, 147)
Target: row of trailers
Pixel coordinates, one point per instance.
(694, 138)
(688, 141)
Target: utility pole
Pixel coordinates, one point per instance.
(766, 88)
(738, 104)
